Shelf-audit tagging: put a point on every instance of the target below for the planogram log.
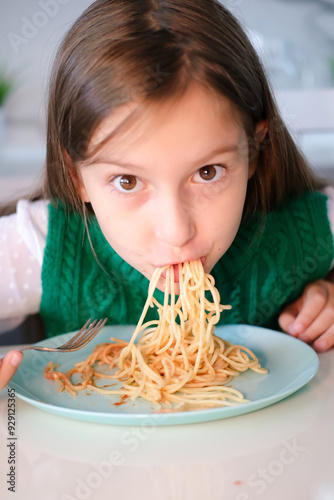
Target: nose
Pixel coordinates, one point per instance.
(174, 221)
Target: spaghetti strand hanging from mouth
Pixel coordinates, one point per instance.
(175, 361)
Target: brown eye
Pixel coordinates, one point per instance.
(128, 182)
(208, 172)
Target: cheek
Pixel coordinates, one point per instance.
(227, 213)
(228, 199)
(207, 195)
(121, 228)
(113, 228)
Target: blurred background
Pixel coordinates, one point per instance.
(295, 39)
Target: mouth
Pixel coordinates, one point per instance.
(176, 270)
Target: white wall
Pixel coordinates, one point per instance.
(30, 31)
(291, 37)
(295, 39)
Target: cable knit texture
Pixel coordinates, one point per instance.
(267, 266)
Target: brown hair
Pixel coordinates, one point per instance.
(120, 50)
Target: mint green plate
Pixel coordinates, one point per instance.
(291, 364)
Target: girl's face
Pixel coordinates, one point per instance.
(172, 187)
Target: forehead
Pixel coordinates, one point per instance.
(198, 113)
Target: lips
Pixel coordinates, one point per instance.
(176, 273)
(176, 270)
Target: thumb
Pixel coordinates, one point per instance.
(8, 367)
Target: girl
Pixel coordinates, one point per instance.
(164, 145)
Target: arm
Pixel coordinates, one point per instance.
(22, 241)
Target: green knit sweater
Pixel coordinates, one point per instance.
(267, 266)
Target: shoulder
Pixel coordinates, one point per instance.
(29, 223)
(329, 193)
(308, 206)
(35, 213)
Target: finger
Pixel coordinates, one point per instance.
(8, 367)
(289, 314)
(314, 300)
(325, 341)
(287, 317)
(320, 325)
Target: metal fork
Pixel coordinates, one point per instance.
(79, 340)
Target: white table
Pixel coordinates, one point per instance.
(285, 451)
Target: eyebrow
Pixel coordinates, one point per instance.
(218, 151)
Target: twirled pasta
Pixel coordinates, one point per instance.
(177, 360)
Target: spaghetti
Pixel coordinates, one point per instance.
(177, 360)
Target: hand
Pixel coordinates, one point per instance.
(8, 366)
(311, 317)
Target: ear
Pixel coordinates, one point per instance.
(77, 180)
(261, 130)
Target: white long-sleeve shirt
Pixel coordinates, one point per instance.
(22, 242)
